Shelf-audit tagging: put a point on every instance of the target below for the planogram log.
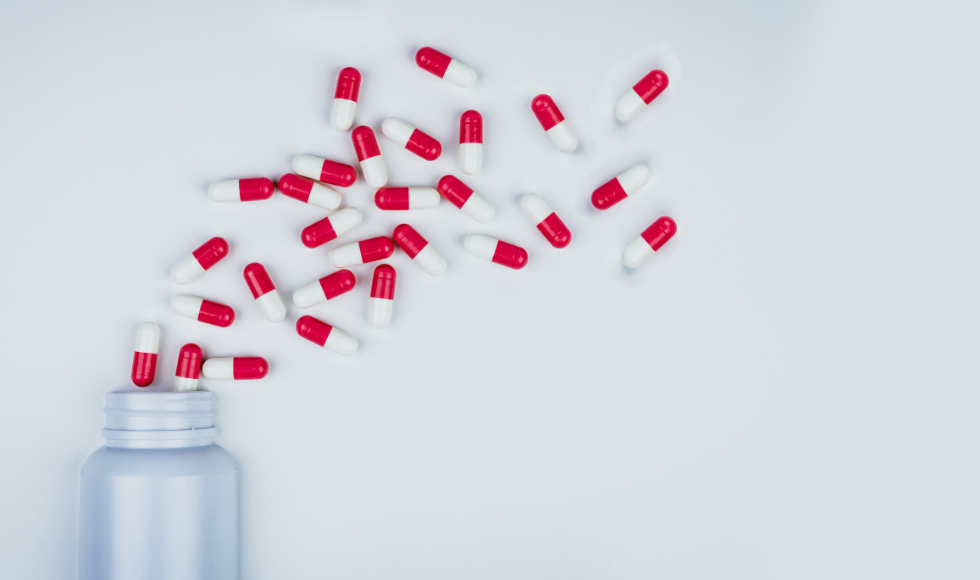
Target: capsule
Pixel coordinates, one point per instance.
(368, 153)
(618, 188)
(331, 227)
(322, 334)
(362, 252)
(326, 288)
(145, 356)
(445, 67)
(239, 368)
(471, 142)
(203, 310)
(496, 251)
(320, 169)
(210, 253)
(405, 198)
(554, 123)
(251, 189)
(547, 221)
(264, 292)
(345, 99)
(460, 195)
(412, 139)
(188, 367)
(641, 95)
(649, 241)
(382, 300)
(419, 249)
(309, 191)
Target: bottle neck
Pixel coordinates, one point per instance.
(142, 420)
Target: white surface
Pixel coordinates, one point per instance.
(219, 368)
(633, 179)
(430, 260)
(187, 305)
(397, 130)
(629, 105)
(460, 74)
(373, 172)
(309, 295)
(347, 255)
(563, 136)
(470, 157)
(148, 337)
(225, 191)
(183, 384)
(423, 198)
(342, 116)
(788, 390)
(325, 197)
(272, 306)
(478, 208)
(186, 270)
(308, 166)
(637, 252)
(379, 312)
(535, 208)
(340, 342)
(481, 245)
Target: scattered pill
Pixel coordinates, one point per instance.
(203, 310)
(309, 191)
(460, 195)
(239, 368)
(445, 67)
(649, 241)
(641, 95)
(382, 299)
(404, 198)
(496, 251)
(210, 253)
(345, 99)
(411, 138)
(554, 123)
(251, 189)
(331, 227)
(326, 288)
(419, 249)
(320, 169)
(145, 357)
(188, 367)
(618, 188)
(547, 221)
(264, 292)
(369, 154)
(470, 142)
(362, 252)
(322, 334)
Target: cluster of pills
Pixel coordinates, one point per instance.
(313, 182)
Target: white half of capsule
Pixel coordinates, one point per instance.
(430, 260)
(187, 305)
(379, 312)
(340, 342)
(148, 338)
(226, 190)
(563, 137)
(481, 245)
(423, 198)
(397, 130)
(345, 220)
(308, 166)
(459, 74)
(536, 208)
(477, 208)
(325, 197)
(186, 270)
(271, 306)
(342, 115)
(309, 295)
(374, 172)
(347, 255)
(471, 157)
(633, 178)
(637, 252)
(185, 384)
(629, 105)
(221, 369)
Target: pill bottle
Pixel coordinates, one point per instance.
(160, 500)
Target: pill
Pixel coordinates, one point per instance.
(368, 153)
(145, 356)
(382, 299)
(239, 368)
(345, 99)
(470, 142)
(188, 367)
(554, 123)
(210, 253)
(496, 251)
(641, 95)
(411, 138)
(251, 189)
(460, 195)
(331, 227)
(320, 169)
(419, 249)
(618, 188)
(403, 198)
(362, 252)
(547, 221)
(649, 241)
(264, 292)
(445, 67)
(203, 310)
(322, 334)
(309, 191)
(326, 288)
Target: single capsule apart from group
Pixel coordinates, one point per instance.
(345, 99)
(203, 310)
(309, 191)
(264, 292)
(362, 252)
(445, 67)
(554, 123)
(145, 356)
(464, 198)
(202, 259)
(405, 198)
(620, 187)
(369, 155)
(470, 142)
(419, 249)
(411, 138)
(497, 251)
(239, 368)
(320, 169)
(382, 300)
(188, 367)
(251, 189)
(322, 334)
(651, 240)
(326, 288)
(548, 223)
(641, 95)
(330, 227)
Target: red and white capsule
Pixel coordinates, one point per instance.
(320, 169)
(497, 251)
(419, 249)
(405, 198)
(202, 259)
(445, 67)
(369, 155)
(460, 195)
(320, 333)
(362, 252)
(382, 300)
(264, 292)
(326, 288)
(471, 142)
(331, 227)
(345, 99)
(651, 240)
(548, 223)
(202, 310)
(251, 189)
(188, 367)
(620, 187)
(415, 140)
(309, 191)
(145, 356)
(641, 95)
(239, 368)
(554, 123)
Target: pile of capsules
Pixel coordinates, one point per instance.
(311, 184)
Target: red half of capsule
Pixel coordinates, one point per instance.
(144, 368)
(555, 231)
(258, 280)
(255, 188)
(454, 190)
(424, 146)
(365, 143)
(216, 313)
(471, 127)
(318, 233)
(211, 252)
(313, 329)
(659, 232)
(348, 84)
(409, 240)
(510, 255)
(433, 61)
(189, 361)
(546, 111)
(296, 187)
(339, 174)
(246, 368)
(392, 198)
(340, 282)
(383, 285)
(375, 249)
(608, 194)
(651, 85)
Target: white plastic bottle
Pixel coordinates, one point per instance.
(160, 500)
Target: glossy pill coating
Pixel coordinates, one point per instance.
(405, 198)
(641, 95)
(620, 187)
(202, 259)
(547, 221)
(326, 288)
(320, 169)
(362, 252)
(445, 67)
(145, 355)
(188, 367)
(497, 251)
(410, 138)
(322, 334)
(648, 242)
(239, 368)
(309, 191)
(470, 202)
(382, 300)
(251, 189)
(419, 249)
(554, 123)
(264, 292)
(205, 311)
(369, 155)
(330, 227)
(470, 142)
(345, 98)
